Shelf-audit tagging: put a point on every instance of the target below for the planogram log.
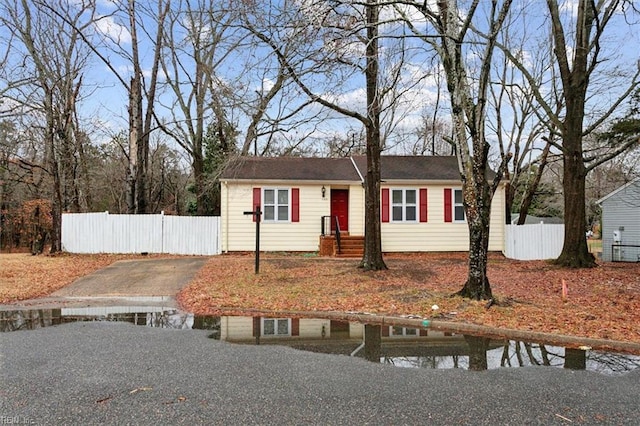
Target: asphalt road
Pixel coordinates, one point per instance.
(117, 373)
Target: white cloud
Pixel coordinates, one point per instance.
(108, 27)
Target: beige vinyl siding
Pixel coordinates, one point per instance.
(310, 327)
(356, 330)
(436, 234)
(356, 210)
(239, 229)
(241, 328)
(236, 328)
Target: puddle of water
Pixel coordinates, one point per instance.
(398, 346)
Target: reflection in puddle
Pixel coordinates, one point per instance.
(394, 345)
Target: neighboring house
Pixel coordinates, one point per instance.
(621, 223)
(421, 203)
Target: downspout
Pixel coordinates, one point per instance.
(362, 200)
(226, 218)
(358, 349)
(357, 170)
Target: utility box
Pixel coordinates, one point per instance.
(617, 236)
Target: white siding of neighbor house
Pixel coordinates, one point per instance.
(239, 230)
(621, 212)
(436, 234)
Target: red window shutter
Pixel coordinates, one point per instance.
(295, 204)
(385, 330)
(447, 205)
(256, 200)
(385, 204)
(423, 204)
(295, 326)
(424, 332)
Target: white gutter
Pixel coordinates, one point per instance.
(357, 170)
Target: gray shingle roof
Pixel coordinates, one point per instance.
(291, 168)
(417, 167)
(341, 169)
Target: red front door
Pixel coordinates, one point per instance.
(340, 208)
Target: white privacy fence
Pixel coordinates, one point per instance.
(126, 233)
(532, 242)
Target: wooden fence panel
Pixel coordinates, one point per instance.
(533, 242)
(105, 233)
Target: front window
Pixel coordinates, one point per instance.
(395, 331)
(276, 205)
(404, 205)
(458, 207)
(276, 326)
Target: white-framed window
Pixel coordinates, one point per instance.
(458, 207)
(395, 331)
(275, 327)
(404, 205)
(276, 203)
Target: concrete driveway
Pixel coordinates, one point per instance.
(139, 282)
(153, 277)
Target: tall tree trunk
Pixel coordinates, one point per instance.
(575, 80)
(372, 258)
(575, 251)
(137, 199)
(198, 177)
(478, 347)
(469, 116)
(478, 216)
(135, 125)
(54, 171)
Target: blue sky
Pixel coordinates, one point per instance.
(248, 70)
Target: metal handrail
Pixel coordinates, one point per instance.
(338, 234)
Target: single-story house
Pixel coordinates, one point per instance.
(246, 328)
(303, 198)
(621, 223)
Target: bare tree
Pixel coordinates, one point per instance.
(432, 136)
(55, 59)
(141, 91)
(198, 39)
(139, 124)
(349, 48)
(518, 127)
(453, 36)
(577, 58)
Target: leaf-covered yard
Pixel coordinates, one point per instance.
(23, 276)
(602, 302)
